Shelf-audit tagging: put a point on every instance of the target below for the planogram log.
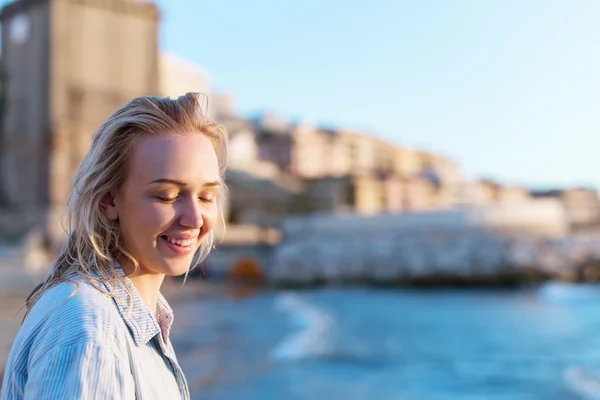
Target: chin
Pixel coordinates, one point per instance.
(176, 267)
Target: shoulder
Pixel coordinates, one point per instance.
(71, 321)
(72, 313)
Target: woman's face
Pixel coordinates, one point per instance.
(167, 204)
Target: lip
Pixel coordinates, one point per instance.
(183, 237)
(177, 249)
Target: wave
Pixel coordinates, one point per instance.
(313, 338)
(582, 383)
(559, 291)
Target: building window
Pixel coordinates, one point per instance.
(349, 194)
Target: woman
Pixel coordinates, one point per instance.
(144, 203)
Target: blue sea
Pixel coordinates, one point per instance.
(539, 343)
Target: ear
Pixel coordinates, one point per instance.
(108, 207)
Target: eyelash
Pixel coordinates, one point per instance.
(170, 200)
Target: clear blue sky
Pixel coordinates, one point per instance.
(508, 88)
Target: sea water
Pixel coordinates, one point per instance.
(538, 343)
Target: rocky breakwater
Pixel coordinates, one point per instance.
(456, 248)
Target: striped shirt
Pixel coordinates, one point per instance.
(87, 345)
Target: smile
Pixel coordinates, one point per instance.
(179, 242)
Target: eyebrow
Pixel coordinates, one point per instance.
(182, 183)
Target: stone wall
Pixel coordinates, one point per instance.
(442, 256)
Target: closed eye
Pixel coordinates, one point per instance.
(167, 199)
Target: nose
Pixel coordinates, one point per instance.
(191, 215)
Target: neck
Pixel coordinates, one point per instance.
(147, 284)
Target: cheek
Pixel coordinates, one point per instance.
(146, 219)
(160, 216)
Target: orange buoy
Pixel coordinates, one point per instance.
(247, 270)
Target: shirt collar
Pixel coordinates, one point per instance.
(136, 313)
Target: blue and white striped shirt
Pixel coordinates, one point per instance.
(87, 345)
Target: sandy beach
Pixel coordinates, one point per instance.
(9, 322)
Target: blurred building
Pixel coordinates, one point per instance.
(179, 76)
(488, 192)
(513, 194)
(254, 211)
(274, 141)
(244, 149)
(407, 161)
(224, 107)
(260, 192)
(259, 201)
(582, 205)
(348, 170)
(451, 187)
(318, 153)
(67, 65)
(485, 191)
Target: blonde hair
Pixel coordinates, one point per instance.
(93, 241)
